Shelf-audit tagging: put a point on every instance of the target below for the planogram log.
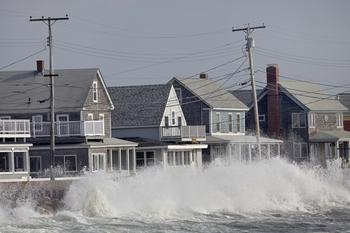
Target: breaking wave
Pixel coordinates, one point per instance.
(270, 185)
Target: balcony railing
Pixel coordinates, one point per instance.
(185, 133)
(69, 128)
(14, 128)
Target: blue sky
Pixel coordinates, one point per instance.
(144, 42)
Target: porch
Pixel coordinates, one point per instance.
(183, 133)
(14, 128)
(69, 128)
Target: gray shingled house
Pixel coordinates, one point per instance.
(205, 102)
(304, 115)
(82, 119)
(151, 115)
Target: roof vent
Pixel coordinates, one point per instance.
(203, 76)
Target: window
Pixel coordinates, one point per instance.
(339, 120)
(140, 159)
(94, 92)
(166, 121)
(90, 117)
(63, 124)
(67, 162)
(262, 118)
(325, 117)
(4, 161)
(217, 122)
(178, 158)
(173, 117)
(171, 158)
(300, 150)
(179, 121)
(179, 94)
(230, 123)
(98, 161)
(187, 158)
(19, 161)
(35, 164)
(101, 117)
(312, 120)
(150, 158)
(37, 123)
(298, 120)
(238, 122)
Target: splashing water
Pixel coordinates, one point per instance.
(271, 185)
(269, 195)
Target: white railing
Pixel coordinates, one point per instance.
(69, 128)
(14, 128)
(184, 132)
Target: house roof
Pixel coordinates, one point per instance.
(139, 105)
(312, 95)
(28, 91)
(344, 98)
(245, 96)
(211, 93)
(330, 136)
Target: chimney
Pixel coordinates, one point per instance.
(203, 76)
(40, 66)
(273, 103)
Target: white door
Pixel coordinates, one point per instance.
(62, 124)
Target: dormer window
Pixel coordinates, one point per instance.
(94, 92)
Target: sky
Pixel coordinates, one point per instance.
(148, 42)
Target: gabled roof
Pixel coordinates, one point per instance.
(344, 98)
(211, 93)
(311, 95)
(245, 96)
(28, 91)
(139, 105)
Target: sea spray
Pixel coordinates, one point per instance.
(269, 185)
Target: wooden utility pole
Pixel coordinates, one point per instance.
(49, 22)
(250, 44)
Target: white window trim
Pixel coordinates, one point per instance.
(103, 165)
(298, 126)
(101, 117)
(230, 122)
(340, 120)
(90, 115)
(300, 145)
(238, 122)
(173, 118)
(37, 123)
(263, 118)
(40, 162)
(145, 157)
(217, 122)
(312, 119)
(94, 91)
(64, 162)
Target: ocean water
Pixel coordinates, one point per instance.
(264, 196)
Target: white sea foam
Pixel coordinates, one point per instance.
(270, 185)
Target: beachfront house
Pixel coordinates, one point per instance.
(205, 102)
(82, 121)
(308, 119)
(151, 116)
(14, 150)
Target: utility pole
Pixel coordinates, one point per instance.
(250, 44)
(49, 22)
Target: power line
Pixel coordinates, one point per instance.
(23, 59)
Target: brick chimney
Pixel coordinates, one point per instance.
(40, 66)
(203, 76)
(273, 103)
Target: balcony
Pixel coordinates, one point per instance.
(14, 128)
(69, 129)
(184, 133)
